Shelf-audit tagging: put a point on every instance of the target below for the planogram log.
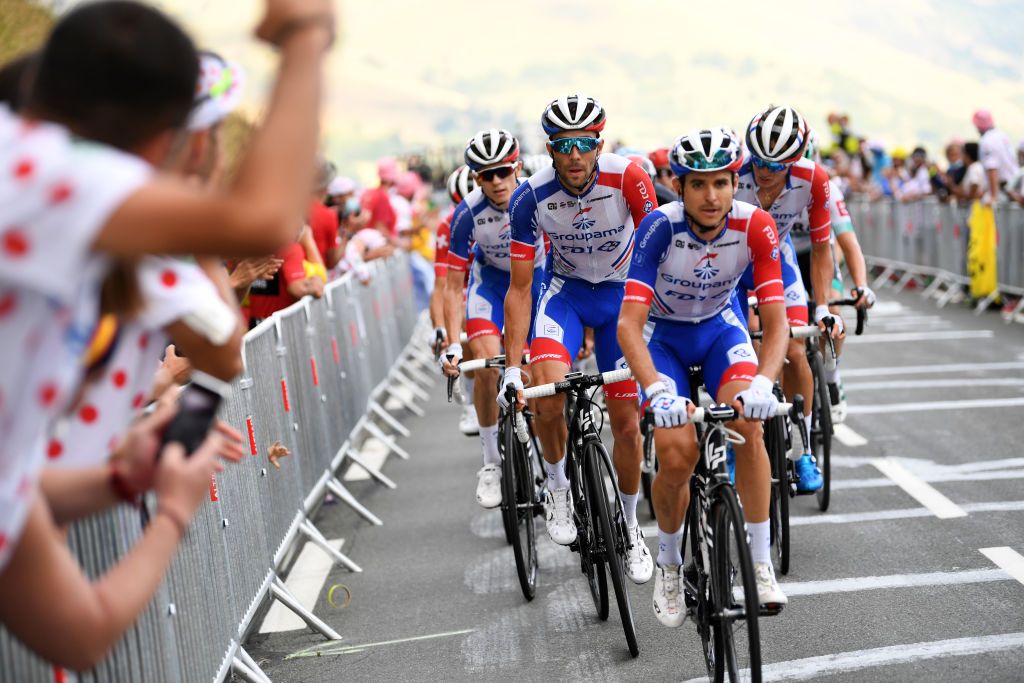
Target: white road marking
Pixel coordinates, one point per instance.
(885, 308)
(926, 495)
(335, 648)
(938, 335)
(931, 369)
(932, 478)
(936, 383)
(902, 513)
(374, 452)
(305, 581)
(847, 436)
(915, 407)
(826, 665)
(868, 583)
(1007, 559)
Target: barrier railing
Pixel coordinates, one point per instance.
(926, 242)
(316, 375)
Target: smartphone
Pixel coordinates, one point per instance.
(197, 409)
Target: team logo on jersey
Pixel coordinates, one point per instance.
(648, 206)
(775, 254)
(705, 268)
(582, 221)
(442, 242)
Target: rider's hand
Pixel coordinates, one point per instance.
(865, 297)
(450, 359)
(438, 340)
(512, 377)
(669, 409)
(283, 18)
(820, 313)
(759, 402)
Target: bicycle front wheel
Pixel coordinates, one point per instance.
(821, 431)
(612, 539)
(775, 441)
(733, 594)
(506, 431)
(591, 560)
(518, 493)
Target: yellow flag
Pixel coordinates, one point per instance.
(981, 250)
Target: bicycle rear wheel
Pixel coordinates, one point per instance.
(775, 441)
(506, 430)
(611, 534)
(733, 594)
(591, 561)
(821, 430)
(518, 493)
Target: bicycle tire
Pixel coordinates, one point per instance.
(518, 489)
(506, 429)
(775, 440)
(611, 536)
(736, 632)
(821, 430)
(591, 563)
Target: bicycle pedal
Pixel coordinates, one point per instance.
(770, 610)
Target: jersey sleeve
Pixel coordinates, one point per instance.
(292, 270)
(462, 235)
(841, 221)
(818, 215)
(638, 191)
(763, 244)
(654, 240)
(441, 241)
(522, 215)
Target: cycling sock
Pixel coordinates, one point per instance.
(760, 541)
(807, 424)
(629, 507)
(668, 548)
(467, 384)
(489, 442)
(832, 376)
(556, 475)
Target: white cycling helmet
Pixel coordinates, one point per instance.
(778, 135)
(573, 113)
(535, 163)
(460, 183)
(705, 150)
(491, 147)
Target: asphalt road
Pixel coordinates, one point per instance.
(889, 585)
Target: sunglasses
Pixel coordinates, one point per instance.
(583, 144)
(490, 174)
(772, 166)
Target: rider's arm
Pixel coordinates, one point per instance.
(437, 297)
(522, 214)
(762, 241)
(458, 260)
(820, 220)
(847, 241)
(638, 190)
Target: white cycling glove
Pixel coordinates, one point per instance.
(669, 409)
(821, 312)
(868, 295)
(512, 377)
(759, 402)
(452, 355)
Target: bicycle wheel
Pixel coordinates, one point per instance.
(733, 593)
(611, 534)
(775, 441)
(518, 496)
(821, 431)
(506, 429)
(591, 561)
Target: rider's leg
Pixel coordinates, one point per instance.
(670, 491)
(485, 393)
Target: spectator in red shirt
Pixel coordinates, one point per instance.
(288, 285)
(377, 202)
(323, 221)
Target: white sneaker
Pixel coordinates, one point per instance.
(768, 592)
(668, 596)
(488, 486)
(639, 564)
(468, 424)
(558, 509)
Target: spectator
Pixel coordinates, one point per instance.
(288, 285)
(415, 236)
(323, 221)
(1015, 188)
(975, 182)
(918, 183)
(377, 202)
(996, 154)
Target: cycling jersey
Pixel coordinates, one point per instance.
(840, 219)
(441, 241)
(684, 278)
(807, 189)
(477, 220)
(592, 233)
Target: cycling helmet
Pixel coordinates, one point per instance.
(644, 163)
(491, 147)
(708, 149)
(778, 135)
(811, 151)
(659, 157)
(218, 92)
(460, 184)
(535, 163)
(573, 113)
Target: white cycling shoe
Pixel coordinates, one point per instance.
(769, 595)
(488, 486)
(669, 606)
(558, 516)
(639, 563)
(468, 424)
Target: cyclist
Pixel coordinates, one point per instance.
(588, 204)
(689, 259)
(843, 237)
(460, 184)
(778, 179)
(482, 218)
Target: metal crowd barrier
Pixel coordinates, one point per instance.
(926, 242)
(315, 379)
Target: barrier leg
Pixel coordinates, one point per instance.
(406, 402)
(377, 432)
(419, 368)
(247, 673)
(391, 421)
(281, 592)
(986, 302)
(934, 287)
(314, 535)
(242, 657)
(903, 281)
(882, 279)
(335, 487)
(416, 389)
(952, 294)
(377, 475)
